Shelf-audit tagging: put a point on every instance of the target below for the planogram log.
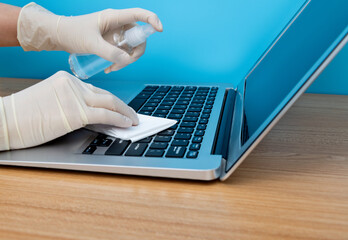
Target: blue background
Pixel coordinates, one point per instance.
(202, 40)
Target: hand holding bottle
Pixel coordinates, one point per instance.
(39, 29)
(86, 65)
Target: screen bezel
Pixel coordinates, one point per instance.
(239, 152)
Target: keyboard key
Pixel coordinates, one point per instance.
(192, 154)
(182, 102)
(199, 133)
(211, 99)
(198, 101)
(180, 107)
(101, 136)
(192, 114)
(105, 143)
(169, 99)
(149, 109)
(175, 116)
(151, 105)
(196, 105)
(167, 103)
(159, 145)
(176, 151)
(154, 153)
(203, 88)
(164, 107)
(177, 88)
(185, 130)
(203, 121)
(190, 119)
(96, 141)
(205, 115)
(177, 142)
(208, 106)
(167, 132)
(174, 126)
(174, 91)
(197, 139)
(145, 112)
(154, 100)
(163, 89)
(190, 88)
(150, 88)
(157, 97)
(188, 124)
(178, 111)
(160, 94)
(159, 115)
(117, 147)
(182, 136)
(136, 103)
(162, 139)
(145, 95)
(199, 98)
(90, 149)
(161, 112)
(206, 111)
(136, 149)
(195, 146)
(194, 109)
(145, 140)
(201, 126)
(187, 95)
(184, 99)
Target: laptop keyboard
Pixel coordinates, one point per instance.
(190, 105)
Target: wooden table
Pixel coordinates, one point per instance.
(293, 186)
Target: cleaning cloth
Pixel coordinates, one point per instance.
(148, 126)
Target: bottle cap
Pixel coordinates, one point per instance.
(137, 35)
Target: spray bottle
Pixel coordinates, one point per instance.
(85, 66)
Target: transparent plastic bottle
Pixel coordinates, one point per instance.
(85, 66)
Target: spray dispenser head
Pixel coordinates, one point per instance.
(137, 35)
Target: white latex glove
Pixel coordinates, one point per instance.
(38, 29)
(56, 106)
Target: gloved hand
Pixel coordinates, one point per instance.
(39, 29)
(55, 106)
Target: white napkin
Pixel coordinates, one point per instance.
(148, 126)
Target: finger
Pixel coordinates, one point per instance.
(111, 53)
(97, 90)
(138, 52)
(104, 116)
(112, 103)
(131, 15)
(114, 67)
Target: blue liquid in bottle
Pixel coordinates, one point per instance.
(85, 66)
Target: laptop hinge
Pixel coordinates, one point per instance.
(222, 136)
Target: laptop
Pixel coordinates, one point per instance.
(218, 124)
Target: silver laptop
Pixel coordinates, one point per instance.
(218, 124)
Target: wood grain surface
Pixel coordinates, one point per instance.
(293, 186)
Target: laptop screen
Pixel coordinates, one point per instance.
(306, 42)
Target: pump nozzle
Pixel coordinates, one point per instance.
(137, 35)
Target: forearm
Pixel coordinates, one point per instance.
(8, 25)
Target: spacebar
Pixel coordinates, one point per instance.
(136, 103)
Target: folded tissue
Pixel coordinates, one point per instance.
(148, 126)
